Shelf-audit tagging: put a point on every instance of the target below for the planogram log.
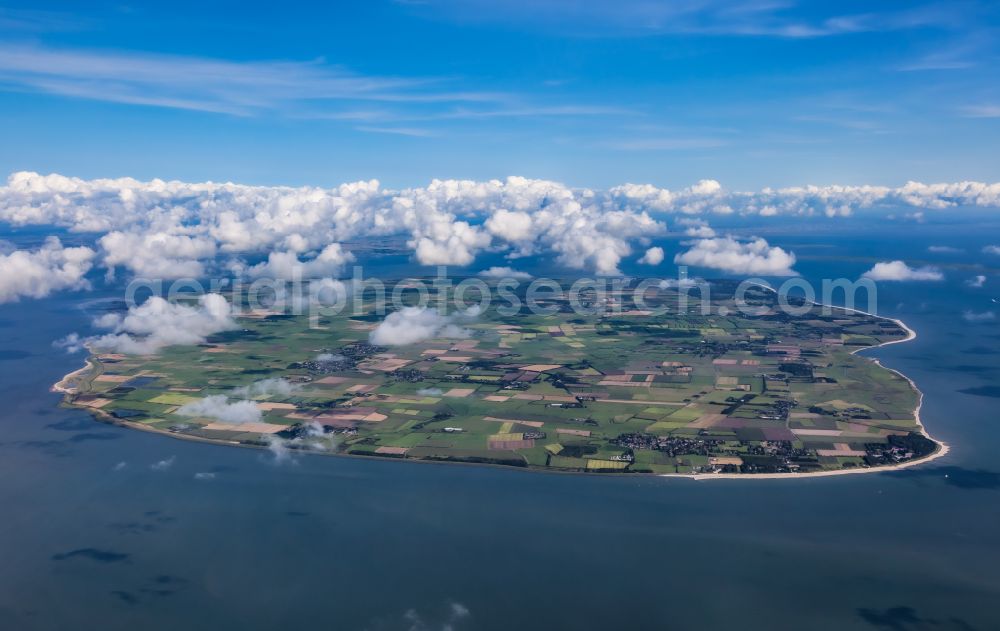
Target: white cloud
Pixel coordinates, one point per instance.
(204, 475)
(504, 272)
(456, 613)
(274, 386)
(173, 226)
(696, 228)
(410, 325)
(992, 249)
(514, 226)
(163, 465)
(157, 254)
(900, 271)
(157, 323)
(680, 283)
(709, 196)
(287, 266)
(981, 111)
(979, 317)
(754, 257)
(278, 448)
(447, 242)
(944, 249)
(38, 273)
(167, 229)
(314, 438)
(218, 407)
(976, 281)
(653, 256)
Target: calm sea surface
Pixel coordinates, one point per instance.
(93, 535)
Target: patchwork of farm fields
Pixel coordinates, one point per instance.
(670, 388)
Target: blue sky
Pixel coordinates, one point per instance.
(753, 94)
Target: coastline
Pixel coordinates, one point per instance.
(65, 385)
(66, 388)
(942, 447)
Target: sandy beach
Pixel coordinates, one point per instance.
(68, 384)
(942, 447)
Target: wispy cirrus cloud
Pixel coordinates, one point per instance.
(746, 18)
(981, 111)
(413, 132)
(241, 88)
(316, 89)
(510, 110)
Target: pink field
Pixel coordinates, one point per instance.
(395, 451)
(332, 380)
(514, 420)
(267, 406)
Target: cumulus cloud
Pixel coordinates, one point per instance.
(38, 273)
(449, 243)
(218, 407)
(173, 227)
(313, 437)
(168, 229)
(504, 272)
(709, 196)
(992, 249)
(979, 316)
(157, 254)
(653, 256)
(157, 323)
(454, 617)
(278, 448)
(513, 226)
(163, 465)
(274, 386)
(287, 266)
(976, 281)
(681, 283)
(900, 271)
(696, 228)
(410, 325)
(755, 257)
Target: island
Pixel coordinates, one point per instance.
(672, 388)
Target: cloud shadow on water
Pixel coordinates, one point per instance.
(902, 618)
(93, 554)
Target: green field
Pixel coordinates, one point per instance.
(612, 392)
